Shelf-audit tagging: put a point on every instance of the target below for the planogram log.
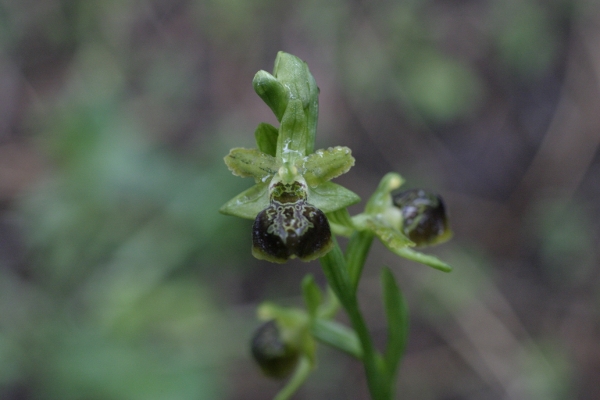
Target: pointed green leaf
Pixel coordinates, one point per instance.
(291, 143)
(330, 197)
(273, 93)
(396, 312)
(248, 203)
(312, 295)
(251, 163)
(337, 335)
(426, 259)
(266, 138)
(324, 165)
(392, 238)
(336, 272)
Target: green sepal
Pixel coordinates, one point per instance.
(312, 295)
(266, 138)
(337, 335)
(381, 198)
(251, 163)
(248, 203)
(329, 197)
(324, 165)
(294, 74)
(291, 142)
(426, 259)
(396, 311)
(392, 238)
(272, 92)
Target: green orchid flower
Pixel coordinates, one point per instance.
(293, 191)
(405, 220)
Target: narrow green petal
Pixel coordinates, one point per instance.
(324, 165)
(330, 197)
(272, 91)
(251, 163)
(266, 138)
(248, 203)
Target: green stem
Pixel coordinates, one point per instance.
(356, 255)
(336, 272)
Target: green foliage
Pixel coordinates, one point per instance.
(565, 236)
(397, 59)
(116, 235)
(105, 238)
(526, 42)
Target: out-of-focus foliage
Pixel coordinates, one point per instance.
(120, 280)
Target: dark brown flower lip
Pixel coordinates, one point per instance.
(288, 230)
(275, 357)
(424, 216)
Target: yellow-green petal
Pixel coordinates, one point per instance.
(324, 165)
(251, 163)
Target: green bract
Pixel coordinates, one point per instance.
(292, 191)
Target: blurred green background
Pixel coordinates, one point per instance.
(120, 280)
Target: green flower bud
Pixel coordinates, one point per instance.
(275, 357)
(424, 218)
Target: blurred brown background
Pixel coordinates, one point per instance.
(120, 280)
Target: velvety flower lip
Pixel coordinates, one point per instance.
(289, 230)
(424, 218)
(276, 357)
(290, 227)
